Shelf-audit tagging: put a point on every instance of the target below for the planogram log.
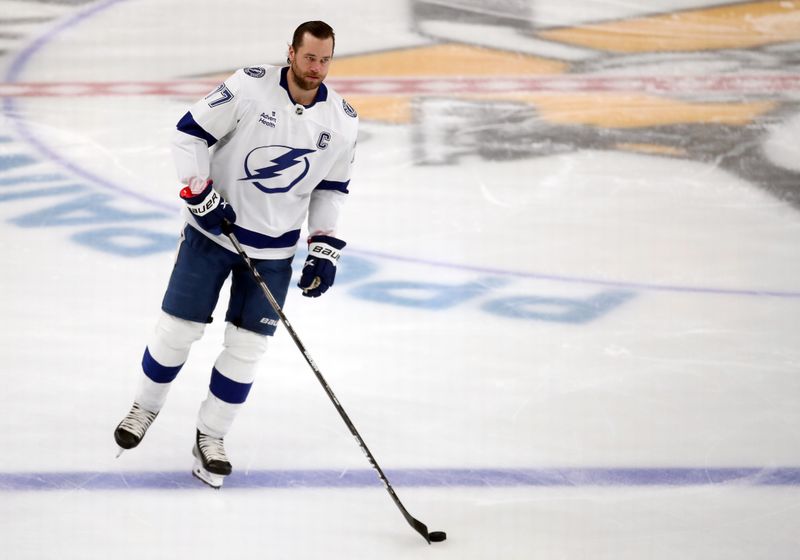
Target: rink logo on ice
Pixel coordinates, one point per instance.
(100, 221)
(94, 220)
(672, 112)
(276, 169)
(495, 295)
(539, 307)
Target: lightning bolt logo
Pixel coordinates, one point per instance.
(282, 159)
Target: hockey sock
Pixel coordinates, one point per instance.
(231, 380)
(163, 358)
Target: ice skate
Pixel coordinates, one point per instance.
(211, 465)
(131, 430)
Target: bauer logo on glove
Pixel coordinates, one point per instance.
(207, 205)
(209, 209)
(325, 251)
(319, 269)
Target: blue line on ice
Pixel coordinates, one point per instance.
(419, 478)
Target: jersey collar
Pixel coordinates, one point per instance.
(322, 91)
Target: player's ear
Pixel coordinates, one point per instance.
(290, 55)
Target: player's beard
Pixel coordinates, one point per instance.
(301, 82)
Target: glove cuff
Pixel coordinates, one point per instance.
(202, 203)
(332, 241)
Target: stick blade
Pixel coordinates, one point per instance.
(420, 528)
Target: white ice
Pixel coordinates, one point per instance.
(589, 314)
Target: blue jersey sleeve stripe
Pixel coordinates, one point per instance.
(188, 125)
(340, 186)
(227, 389)
(261, 241)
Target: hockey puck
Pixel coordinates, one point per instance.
(437, 536)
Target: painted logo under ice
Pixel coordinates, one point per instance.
(276, 169)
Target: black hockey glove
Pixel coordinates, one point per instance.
(319, 269)
(208, 207)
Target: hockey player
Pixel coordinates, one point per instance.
(268, 148)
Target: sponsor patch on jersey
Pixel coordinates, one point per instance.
(349, 109)
(268, 120)
(255, 71)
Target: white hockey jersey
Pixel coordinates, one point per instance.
(275, 161)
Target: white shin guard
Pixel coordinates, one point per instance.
(237, 362)
(169, 346)
(243, 350)
(173, 338)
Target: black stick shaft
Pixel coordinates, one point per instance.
(417, 525)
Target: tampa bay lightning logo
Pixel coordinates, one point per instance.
(276, 169)
(255, 71)
(348, 109)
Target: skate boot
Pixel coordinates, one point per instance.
(211, 464)
(131, 430)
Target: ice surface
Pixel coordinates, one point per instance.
(566, 322)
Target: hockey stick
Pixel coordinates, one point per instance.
(417, 525)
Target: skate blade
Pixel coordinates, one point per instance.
(120, 452)
(213, 480)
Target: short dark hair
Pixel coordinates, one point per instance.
(318, 29)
